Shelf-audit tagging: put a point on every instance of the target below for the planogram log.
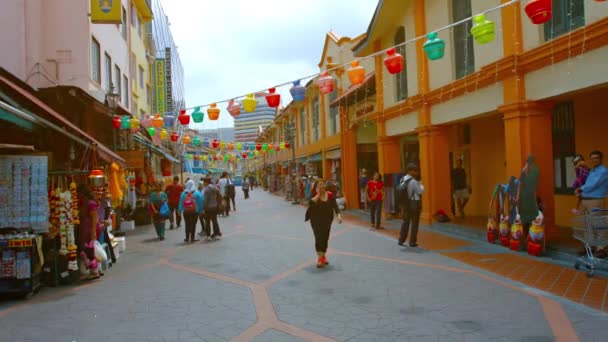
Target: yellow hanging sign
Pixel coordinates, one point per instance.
(106, 12)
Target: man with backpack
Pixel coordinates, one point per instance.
(409, 195)
(174, 192)
(212, 202)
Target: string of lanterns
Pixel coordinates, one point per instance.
(483, 32)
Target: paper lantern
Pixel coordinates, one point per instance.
(356, 73)
(270, 146)
(169, 120)
(158, 122)
(195, 157)
(151, 131)
(116, 122)
(244, 155)
(214, 157)
(297, 91)
(163, 134)
(273, 99)
(539, 11)
(257, 153)
(134, 123)
(249, 103)
(197, 115)
(213, 112)
(277, 147)
(206, 143)
(147, 120)
(264, 147)
(287, 144)
(186, 139)
(252, 146)
(483, 29)
(183, 118)
(239, 146)
(205, 158)
(234, 108)
(434, 47)
(215, 143)
(225, 157)
(326, 83)
(258, 147)
(174, 136)
(271, 151)
(282, 146)
(393, 61)
(251, 154)
(196, 141)
(124, 122)
(230, 146)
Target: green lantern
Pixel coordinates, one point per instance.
(225, 157)
(264, 147)
(251, 154)
(197, 116)
(151, 131)
(196, 141)
(434, 47)
(483, 29)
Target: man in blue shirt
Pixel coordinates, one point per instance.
(595, 190)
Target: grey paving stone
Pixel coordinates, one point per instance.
(272, 335)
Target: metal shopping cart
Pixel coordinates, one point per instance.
(592, 230)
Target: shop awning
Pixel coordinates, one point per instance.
(155, 148)
(359, 92)
(104, 152)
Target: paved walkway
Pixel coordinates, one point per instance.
(259, 283)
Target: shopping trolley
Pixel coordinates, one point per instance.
(592, 230)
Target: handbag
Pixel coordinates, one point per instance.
(100, 253)
(164, 211)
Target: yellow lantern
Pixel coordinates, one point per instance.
(163, 134)
(249, 103)
(222, 145)
(134, 123)
(205, 157)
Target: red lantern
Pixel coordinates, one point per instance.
(356, 73)
(244, 155)
(158, 122)
(539, 11)
(183, 118)
(326, 83)
(287, 144)
(214, 157)
(215, 143)
(174, 136)
(394, 61)
(116, 121)
(258, 146)
(273, 99)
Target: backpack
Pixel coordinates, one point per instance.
(230, 189)
(213, 198)
(190, 203)
(402, 197)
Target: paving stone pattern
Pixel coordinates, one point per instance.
(259, 283)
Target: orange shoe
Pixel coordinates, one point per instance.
(320, 262)
(324, 260)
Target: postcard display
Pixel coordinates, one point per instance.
(24, 212)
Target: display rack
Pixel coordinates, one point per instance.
(20, 262)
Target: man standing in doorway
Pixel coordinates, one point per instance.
(460, 191)
(595, 190)
(174, 192)
(412, 206)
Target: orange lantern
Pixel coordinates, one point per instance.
(158, 122)
(273, 99)
(213, 112)
(356, 73)
(186, 139)
(230, 146)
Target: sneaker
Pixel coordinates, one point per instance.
(325, 262)
(162, 238)
(171, 227)
(320, 262)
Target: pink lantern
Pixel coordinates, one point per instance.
(234, 108)
(326, 83)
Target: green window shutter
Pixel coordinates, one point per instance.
(564, 145)
(401, 78)
(464, 52)
(567, 15)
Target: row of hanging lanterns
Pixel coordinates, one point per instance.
(483, 32)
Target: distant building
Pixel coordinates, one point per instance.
(247, 125)
(225, 134)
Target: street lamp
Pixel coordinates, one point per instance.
(291, 130)
(112, 99)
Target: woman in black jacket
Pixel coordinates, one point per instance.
(321, 215)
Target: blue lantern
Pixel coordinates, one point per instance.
(434, 46)
(169, 120)
(298, 92)
(246, 147)
(206, 142)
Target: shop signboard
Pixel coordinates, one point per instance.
(168, 81)
(160, 86)
(106, 12)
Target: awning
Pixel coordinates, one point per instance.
(155, 148)
(104, 152)
(356, 93)
(315, 158)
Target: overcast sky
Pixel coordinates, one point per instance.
(233, 47)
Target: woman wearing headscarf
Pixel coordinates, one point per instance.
(321, 215)
(191, 205)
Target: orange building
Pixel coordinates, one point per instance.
(535, 89)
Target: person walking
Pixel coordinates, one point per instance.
(191, 205)
(174, 192)
(221, 186)
(156, 200)
(321, 210)
(201, 215)
(211, 206)
(460, 190)
(245, 188)
(375, 188)
(412, 206)
(231, 192)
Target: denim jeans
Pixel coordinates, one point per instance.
(376, 208)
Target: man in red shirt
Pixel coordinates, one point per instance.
(375, 194)
(174, 192)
